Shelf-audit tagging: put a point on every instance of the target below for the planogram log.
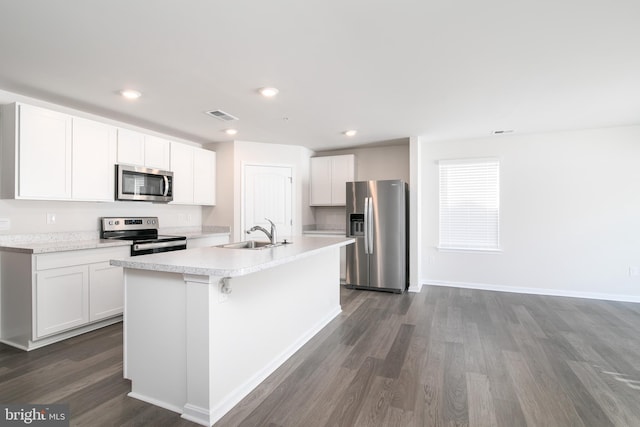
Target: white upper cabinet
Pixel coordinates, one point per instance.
(41, 143)
(204, 177)
(194, 175)
(130, 147)
(182, 168)
(54, 156)
(320, 180)
(328, 178)
(135, 148)
(47, 155)
(157, 153)
(94, 155)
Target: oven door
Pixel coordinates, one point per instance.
(144, 184)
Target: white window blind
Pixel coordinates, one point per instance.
(470, 204)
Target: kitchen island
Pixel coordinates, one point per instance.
(205, 326)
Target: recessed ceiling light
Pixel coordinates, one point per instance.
(351, 132)
(231, 131)
(268, 92)
(130, 94)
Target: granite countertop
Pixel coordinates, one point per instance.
(79, 240)
(56, 242)
(216, 261)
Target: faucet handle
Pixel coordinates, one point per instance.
(271, 222)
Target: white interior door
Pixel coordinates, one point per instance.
(267, 194)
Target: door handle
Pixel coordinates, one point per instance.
(366, 225)
(370, 230)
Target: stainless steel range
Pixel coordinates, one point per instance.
(143, 231)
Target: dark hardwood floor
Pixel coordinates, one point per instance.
(444, 357)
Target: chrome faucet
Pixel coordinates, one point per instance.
(273, 238)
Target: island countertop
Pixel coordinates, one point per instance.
(225, 262)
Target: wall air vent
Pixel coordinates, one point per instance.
(221, 115)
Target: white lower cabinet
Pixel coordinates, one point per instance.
(61, 299)
(106, 291)
(50, 297)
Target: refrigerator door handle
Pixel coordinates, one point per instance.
(366, 225)
(370, 222)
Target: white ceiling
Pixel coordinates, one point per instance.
(441, 69)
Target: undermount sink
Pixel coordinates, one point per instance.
(251, 244)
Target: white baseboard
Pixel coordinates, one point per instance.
(155, 402)
(533, 291)
(243, 390)
(197, 415)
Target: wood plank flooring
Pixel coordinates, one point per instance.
(443, 357)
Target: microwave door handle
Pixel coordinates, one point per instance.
(166, 185)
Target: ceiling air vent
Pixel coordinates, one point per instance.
(221, 115)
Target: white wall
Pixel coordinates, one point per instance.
(570, 214)
(231, 159)
(29, 217)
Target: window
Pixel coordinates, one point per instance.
(470, 204)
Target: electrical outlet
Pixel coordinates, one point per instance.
(634, 271)
(51, 218)
(5, 224)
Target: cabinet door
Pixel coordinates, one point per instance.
(44, 154)
(130, 147)
(183, 172)
(341, 173)
(204, 177)
(156, 153)
(320, 181)
(94, 152)
(106, 291)
(62, 299)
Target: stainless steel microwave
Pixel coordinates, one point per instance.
(143, 184)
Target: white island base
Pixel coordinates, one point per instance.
(196, 350)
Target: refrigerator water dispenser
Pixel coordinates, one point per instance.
(356, 225)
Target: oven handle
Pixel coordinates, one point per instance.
(144, 246)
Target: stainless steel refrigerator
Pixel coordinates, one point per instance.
(377, 219)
